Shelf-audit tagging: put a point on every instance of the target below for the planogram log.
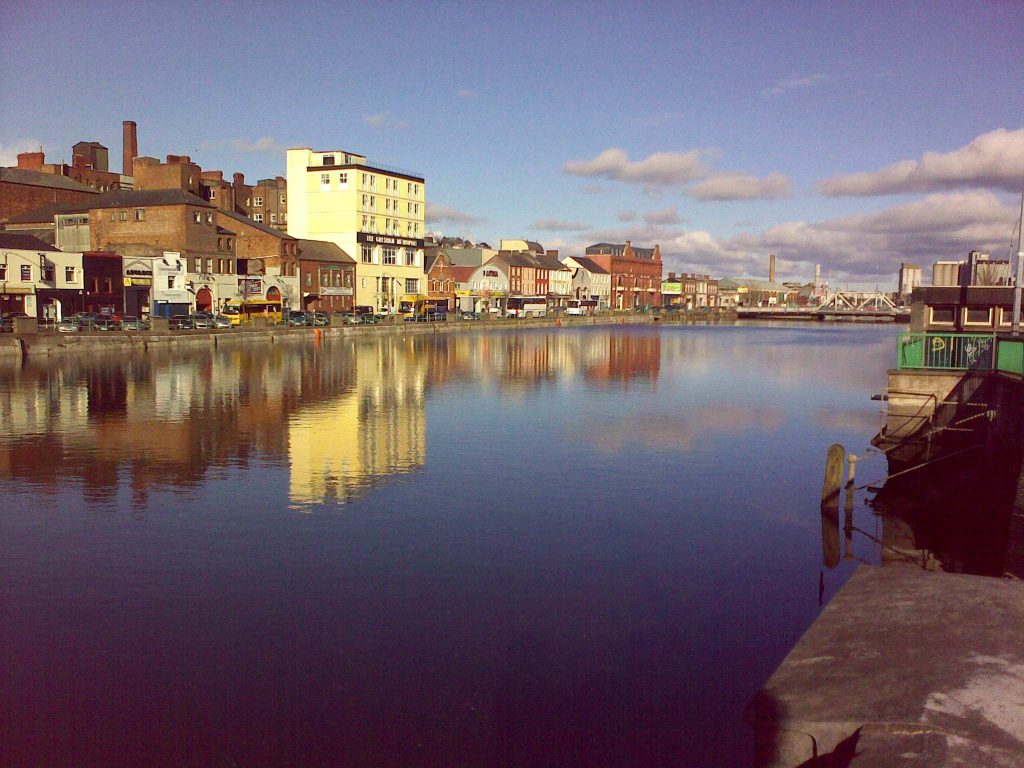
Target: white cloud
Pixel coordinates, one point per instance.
(660, 168)
(383, 120)
(993, 160)
(794, 84)
(664, 216)
(9, 151)
(864, 248)
(263, 144)
(740, 186)
(558, 225)
(627, 215)
(436, 214)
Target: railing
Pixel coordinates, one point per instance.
(960, 352)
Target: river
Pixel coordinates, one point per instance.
(553, 547)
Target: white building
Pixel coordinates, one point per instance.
(590, 281)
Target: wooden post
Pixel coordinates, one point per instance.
(833, 475)
(849, 482)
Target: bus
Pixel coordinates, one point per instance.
(526, 306)
(581, 307)
(243, 312)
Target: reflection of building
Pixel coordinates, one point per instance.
(341, 446)
(626, 357)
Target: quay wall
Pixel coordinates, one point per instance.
(51, 344)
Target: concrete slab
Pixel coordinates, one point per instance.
(902, 668)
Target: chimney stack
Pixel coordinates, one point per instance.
(129, 146)
(817, 277)
(239, 179)
(771, 268)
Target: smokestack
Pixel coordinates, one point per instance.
(771, 268)
(817, 277)
(129, 146)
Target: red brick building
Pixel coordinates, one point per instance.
(104, 282)
(635, 273)
(440, 278)
(327, 277)
(23, 190)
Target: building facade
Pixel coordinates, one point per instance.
(326, 277)
(370, 211)
(635, 274)
(39, 280)
(590, 281)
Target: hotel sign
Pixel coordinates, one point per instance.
(408, 242)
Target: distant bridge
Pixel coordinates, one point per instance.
(849, 305)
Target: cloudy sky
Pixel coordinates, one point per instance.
(855, 135)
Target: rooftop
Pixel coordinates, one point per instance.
(39, 179)
(23, 242)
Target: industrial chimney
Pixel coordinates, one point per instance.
(771, 268)
(129, 146)
(817, 277)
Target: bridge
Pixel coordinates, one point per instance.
(838, 305)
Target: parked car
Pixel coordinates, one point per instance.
(180, 323)
(69, 325)
(86, 320)
(201, 320)
(369, 318)
(134, 324)
(107, 324)
(220, 321)
(468, 316)
(319, 319)
(299, 318)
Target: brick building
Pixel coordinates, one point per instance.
(635, 273)
(269, 253)
(23, 190)
(104, 283)
(88, 166)
(327, 277)
(440, 277)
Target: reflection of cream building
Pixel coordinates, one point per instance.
(340, 447)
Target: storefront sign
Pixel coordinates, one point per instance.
(335, 291)
(16, 290)
(250, 286)
(363, 237)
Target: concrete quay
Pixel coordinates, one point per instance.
(50, 344)
(903, 669)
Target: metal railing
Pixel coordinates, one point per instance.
(959, 352)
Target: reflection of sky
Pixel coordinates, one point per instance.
(555, 542)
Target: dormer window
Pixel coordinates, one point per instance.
(328, 159)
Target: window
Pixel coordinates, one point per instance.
(26, 273)
(390, 256)
(309, 279)
(213, 194)
(3, 272)
(248, 201)
(342, 179)
(409, 188)
(112, 216)
(363, 281)
(273, 218)
(980, 315)
(373, 203)
(209, 218)
(373, 223)
(325, 181)
(197, 217)
(48, 276)
(365, 222)
(171, 282)
(410, 257)
(362, 181)
(325, 277)
(942, 315)
(208, 262)
(258, 218)
(258, 202)
(366, 202)
(367, 255)
(1005, 315)
(108, 285)
(412, 285)
(69, 274)
(328, 159)
(123, 215)
(373, 181)
(281, 198)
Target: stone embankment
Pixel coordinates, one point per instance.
(49, 343)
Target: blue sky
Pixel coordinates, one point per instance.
(708, 128)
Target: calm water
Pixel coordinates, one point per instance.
(551, 548)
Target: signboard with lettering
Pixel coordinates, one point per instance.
(407, 242)
(250, 286)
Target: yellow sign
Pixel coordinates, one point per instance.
(16, 289)
(129, 281)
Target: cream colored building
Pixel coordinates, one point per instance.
(374, 213)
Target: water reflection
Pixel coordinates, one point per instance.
(568, 547)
